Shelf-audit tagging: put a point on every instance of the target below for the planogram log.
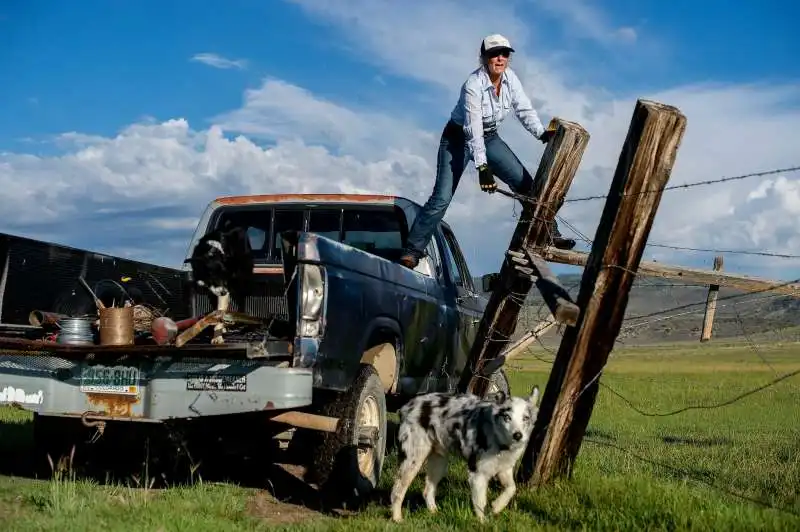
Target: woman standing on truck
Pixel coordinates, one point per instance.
(487, 96)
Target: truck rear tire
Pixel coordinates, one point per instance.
(340, 466)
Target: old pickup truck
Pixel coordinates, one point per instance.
(352, 334)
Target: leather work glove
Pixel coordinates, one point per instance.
(486, 179)
(546, 136)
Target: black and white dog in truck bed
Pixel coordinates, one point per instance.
(490, 435)
(222, 267)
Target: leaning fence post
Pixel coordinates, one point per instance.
(643, 170)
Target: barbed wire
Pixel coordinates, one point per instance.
(698, 311)
(588, 241)
(520, 299)
(678, 307)
(676, 247)
(691, 185)
(712, 406)
(727, 251)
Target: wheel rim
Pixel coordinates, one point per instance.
(369, 416)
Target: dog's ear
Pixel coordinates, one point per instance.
(499, 397)
(534, 397)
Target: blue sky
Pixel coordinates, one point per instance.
(93, 66)
(97, 68)
(125, 60)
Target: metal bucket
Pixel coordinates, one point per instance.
(116, 326)
(76, 331)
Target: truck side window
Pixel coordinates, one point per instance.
(285, 220)
(325, 222)
(377, 231)
(456, 263)
(433, 252)
(452, 265)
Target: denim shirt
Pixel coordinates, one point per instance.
(479, 109)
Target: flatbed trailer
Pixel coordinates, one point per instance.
(150, 382)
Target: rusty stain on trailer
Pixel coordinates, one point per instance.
(114, 405)
(266, 269)
(265, 198)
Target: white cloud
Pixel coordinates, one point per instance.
(152, 180)
(217, 61)
(436, 42)
(278, 109)
(587, 20)
(145, 187)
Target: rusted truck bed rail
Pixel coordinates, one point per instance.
(151, 382)
(271, 349)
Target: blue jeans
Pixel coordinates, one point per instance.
(452, 159)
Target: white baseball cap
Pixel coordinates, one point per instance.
(495, 41)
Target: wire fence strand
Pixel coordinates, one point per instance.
(692, 185)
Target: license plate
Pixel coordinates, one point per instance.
(110, 379)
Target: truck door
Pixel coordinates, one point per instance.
(466, 305)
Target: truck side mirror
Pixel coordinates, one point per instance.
(490, 281)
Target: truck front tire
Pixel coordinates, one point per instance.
(342, 465)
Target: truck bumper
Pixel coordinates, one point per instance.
(151, 390)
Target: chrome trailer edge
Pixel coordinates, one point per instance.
(160, 389)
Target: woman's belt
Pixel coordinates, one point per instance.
(486, 130)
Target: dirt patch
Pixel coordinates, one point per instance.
(264, 506)
(288, 499)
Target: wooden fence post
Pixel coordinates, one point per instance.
(745, 283)
(643, 170)
(557, 168)
(711, 304)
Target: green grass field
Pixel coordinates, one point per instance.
(735, 467)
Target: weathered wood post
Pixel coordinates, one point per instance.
(642, 172)
(521, 267)
(745, 283)
(711, 304)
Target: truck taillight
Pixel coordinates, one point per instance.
(313, 286)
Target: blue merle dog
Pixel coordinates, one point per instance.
(490, 434)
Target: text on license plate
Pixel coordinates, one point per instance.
(110, 379)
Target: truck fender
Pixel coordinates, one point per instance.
(381, 347)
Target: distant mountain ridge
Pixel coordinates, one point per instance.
(661, 310)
